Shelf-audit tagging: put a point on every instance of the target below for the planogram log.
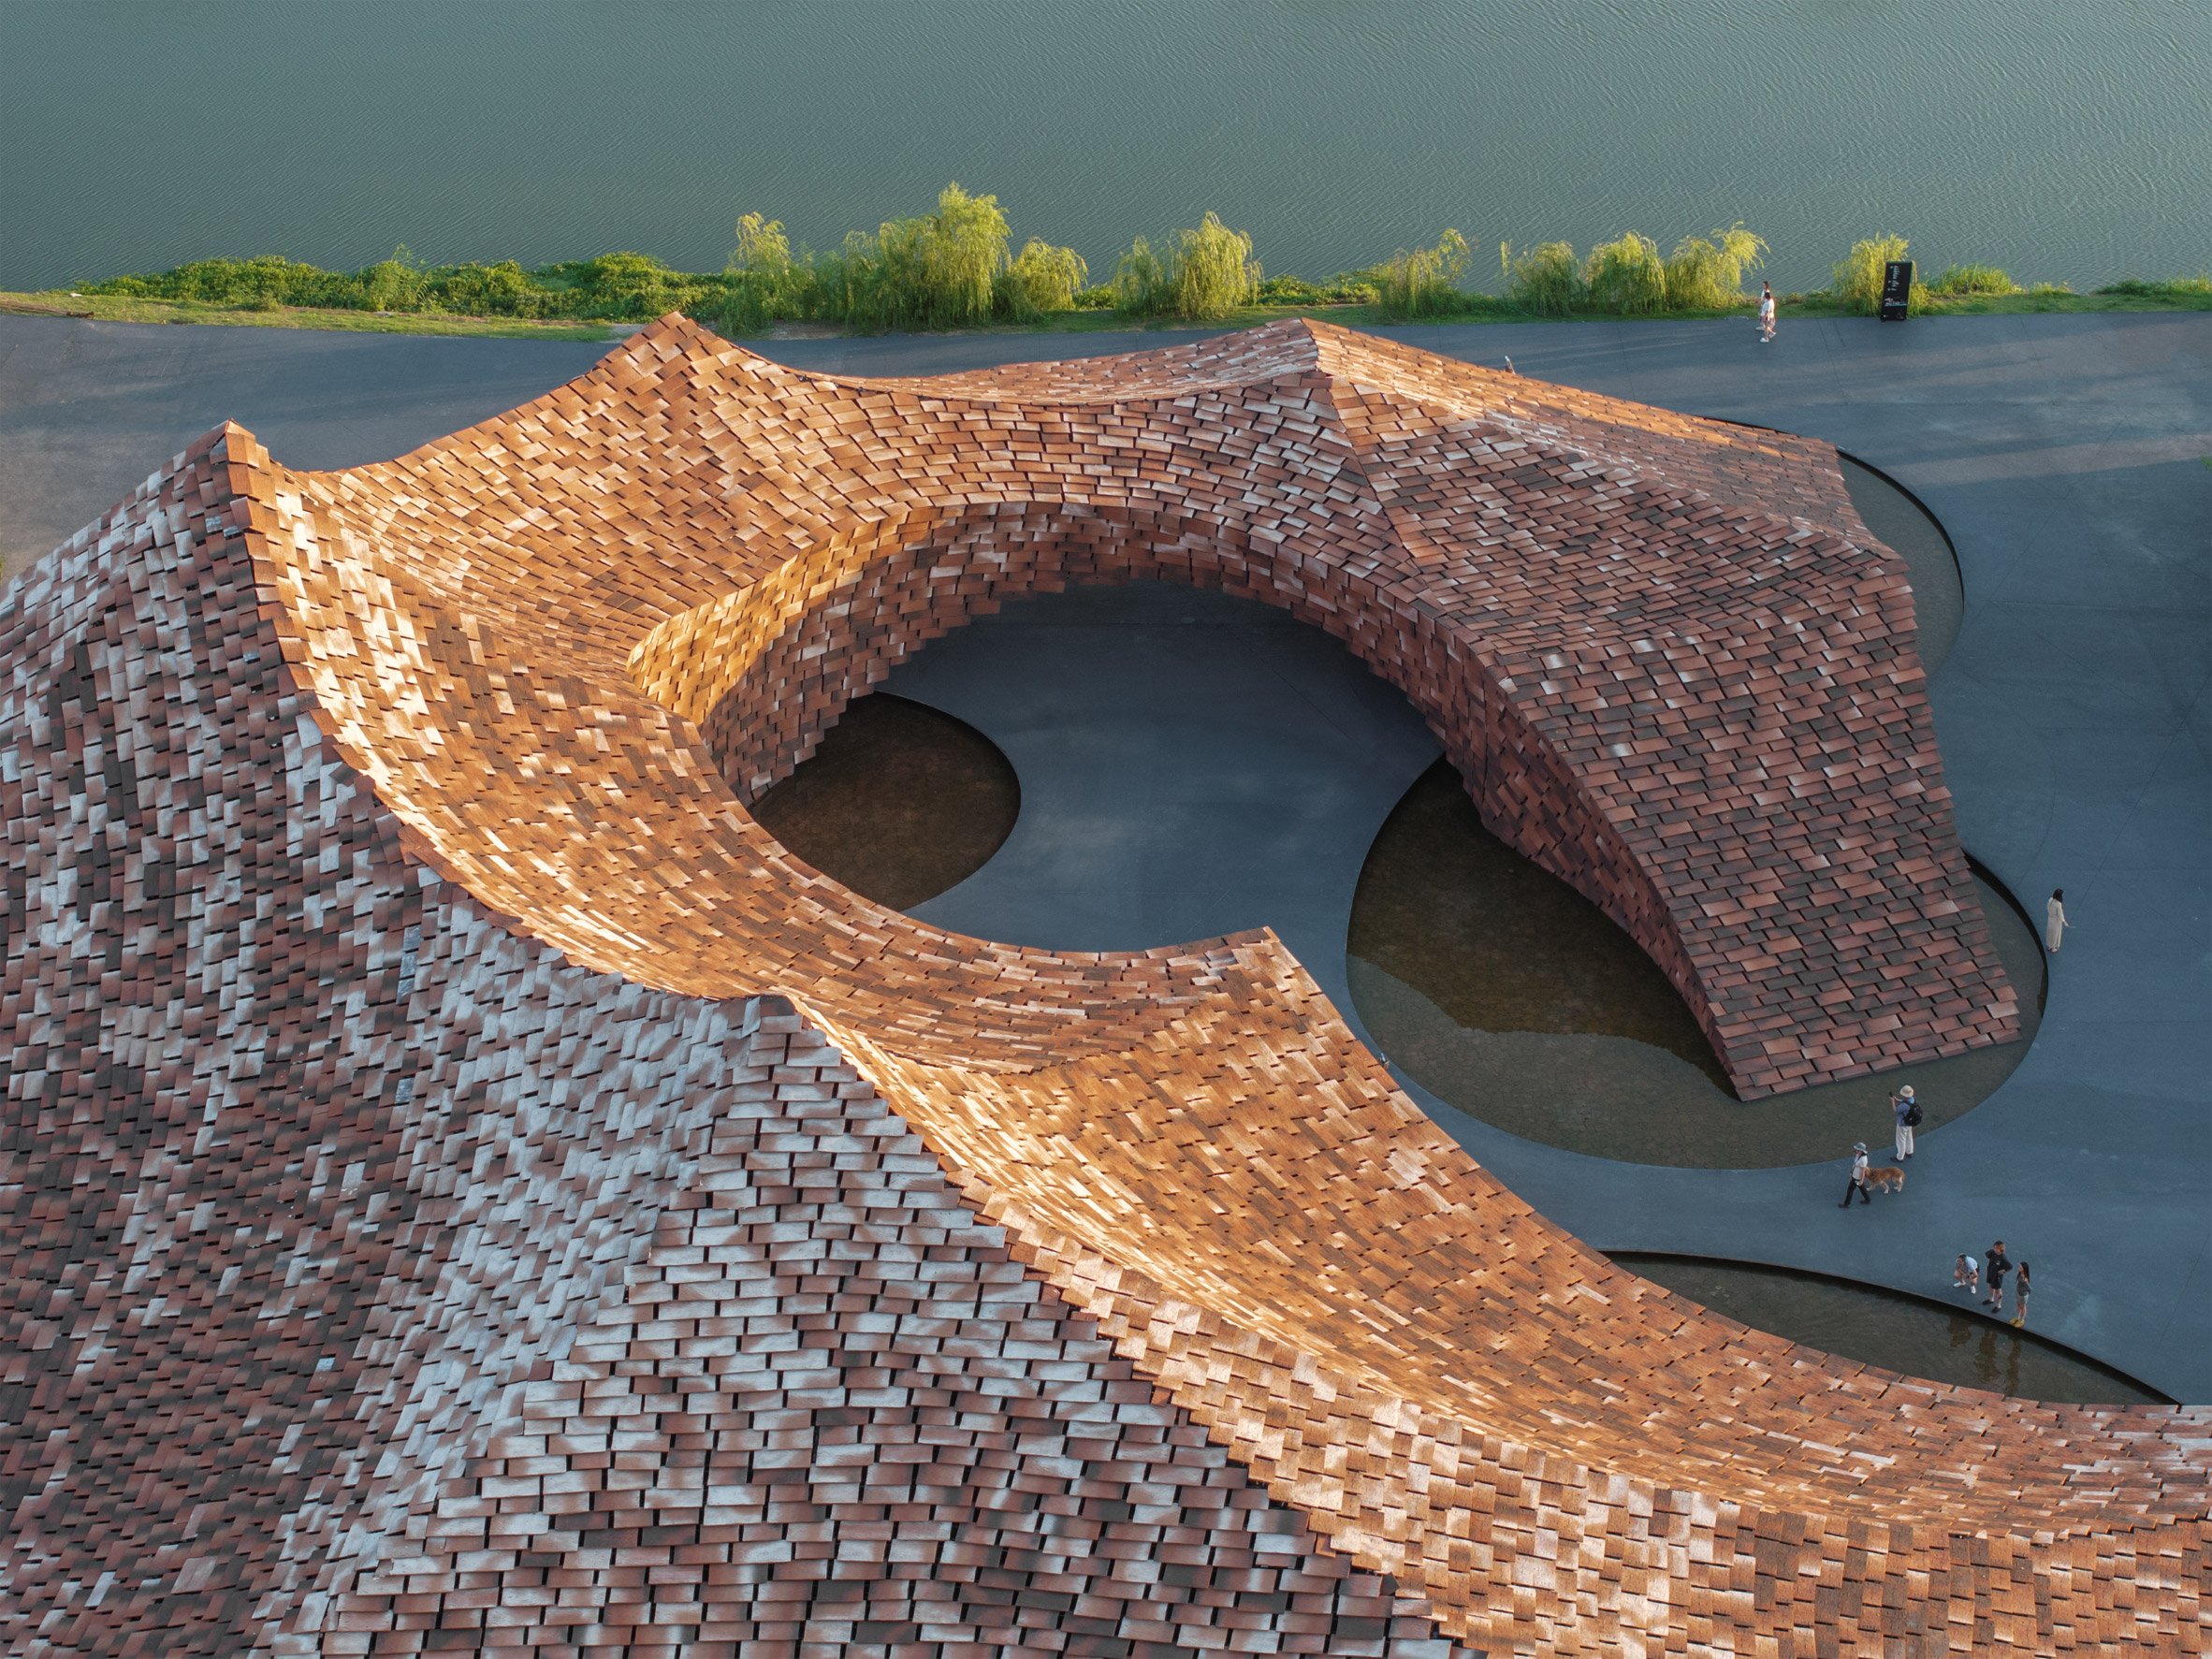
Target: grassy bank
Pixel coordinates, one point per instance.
(113, 309)
(956, 270)
(130, 308)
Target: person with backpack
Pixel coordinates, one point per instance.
(1906, 1111)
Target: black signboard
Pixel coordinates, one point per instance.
(1896, 290)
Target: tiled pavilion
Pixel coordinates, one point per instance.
(472, 1188)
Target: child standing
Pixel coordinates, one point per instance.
(2020, 1297)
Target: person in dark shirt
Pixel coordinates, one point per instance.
(1995, 1267)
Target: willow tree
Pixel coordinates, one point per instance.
(1858, 277)
(956, 256)
(1424, 281)
(1042, 278)
(1707, 273)
(764, 284)
(1627, 276)
(1212, 272)
(1140, 281)
(1542, 279)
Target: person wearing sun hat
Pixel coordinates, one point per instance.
(1906, 1109)
(1859, 1176)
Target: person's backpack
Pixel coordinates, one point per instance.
(1913, 1116)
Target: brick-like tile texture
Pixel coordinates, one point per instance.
(1671, 664)
(464, 1187)
(375, 1281)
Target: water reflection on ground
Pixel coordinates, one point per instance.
(1898, 1332)
(1505, 993)
(899, 802)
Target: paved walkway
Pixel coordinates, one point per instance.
(2063, 455)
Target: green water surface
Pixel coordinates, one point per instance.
(2066, 142)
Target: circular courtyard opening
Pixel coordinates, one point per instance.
(1942, 1339)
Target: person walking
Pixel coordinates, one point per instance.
(1766, 313)
(1965, 1274)
(2054, 921)
(1999, 1264)
(2020, 1297)
(1858, 1177)
(1906, 1109)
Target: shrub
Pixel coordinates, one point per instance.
(1543, 280)
(501, 290)
(1425, 282)
(1289, 290)
(1626, 276)
(2191, 288)
(1358, 288)
(1973, 279)
(267, 281)
(1857, 279)
(391, 284)
(1212, 272)
(622, 286)
(1097, 299)
(1707, 273)
(1042, 278)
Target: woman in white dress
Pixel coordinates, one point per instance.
(2054, 920)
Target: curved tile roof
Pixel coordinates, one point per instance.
(382, 1279)
(1672, 664)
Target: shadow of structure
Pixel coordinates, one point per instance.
(1505, 993)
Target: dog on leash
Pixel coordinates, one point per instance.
(1889, 1177)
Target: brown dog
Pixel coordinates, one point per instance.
(1889, 1176)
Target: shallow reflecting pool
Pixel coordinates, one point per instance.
(1918, 1337)
(1939, 590)
(1504, 991)
(899, 802)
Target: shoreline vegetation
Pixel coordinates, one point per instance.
(957, 270)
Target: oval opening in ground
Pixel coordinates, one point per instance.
(1503, 992)
(1940, 1340)
(899, 802)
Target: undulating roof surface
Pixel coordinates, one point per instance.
(467, 1186)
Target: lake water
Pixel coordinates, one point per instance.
(2065, 141)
